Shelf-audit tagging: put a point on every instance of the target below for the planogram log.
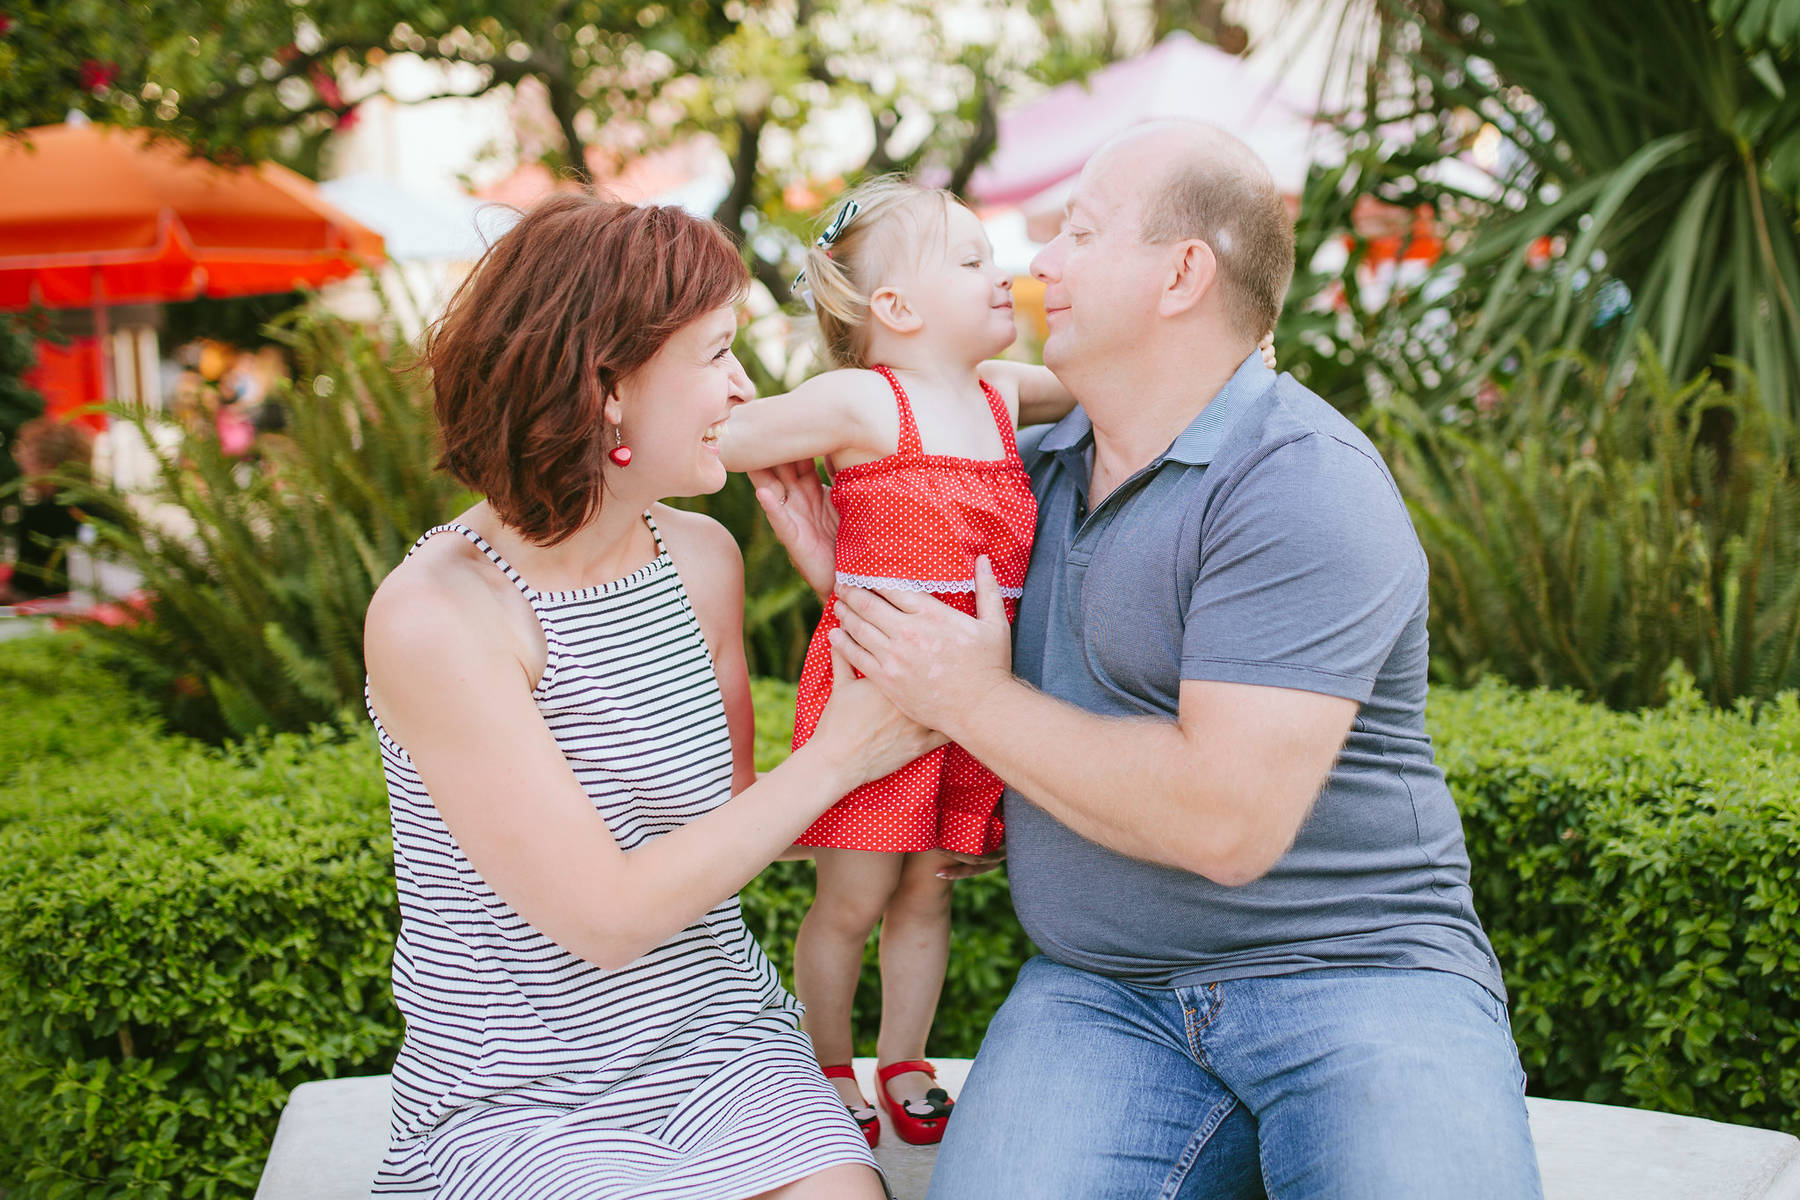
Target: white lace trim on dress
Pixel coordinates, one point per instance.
(918, 585)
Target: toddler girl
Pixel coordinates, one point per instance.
(917, 430)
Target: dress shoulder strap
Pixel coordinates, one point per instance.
(909, 428)
(493, 555)
(1002, 418)
(655, 532)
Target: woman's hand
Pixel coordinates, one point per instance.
(1267, 346)
(801, 514)
(862, 731)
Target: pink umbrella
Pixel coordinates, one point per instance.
(1043, 145)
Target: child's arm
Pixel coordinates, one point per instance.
(829, 414)
(1035, 395)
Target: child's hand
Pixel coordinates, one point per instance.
(1267, 346)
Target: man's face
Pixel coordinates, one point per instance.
(1100, 279)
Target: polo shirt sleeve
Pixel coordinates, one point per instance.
(1309, 572)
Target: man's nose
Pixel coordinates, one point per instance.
(1043, 263)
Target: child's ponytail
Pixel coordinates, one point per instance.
(841, 308)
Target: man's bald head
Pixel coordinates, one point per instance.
(1204, 183)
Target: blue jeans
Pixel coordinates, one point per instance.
(1352, 1083)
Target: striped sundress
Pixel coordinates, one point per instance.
(528, 1072)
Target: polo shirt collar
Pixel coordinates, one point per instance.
(1196, 444)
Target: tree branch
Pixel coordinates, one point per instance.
(738, 200)
(770, 275)
(981, 143)
(293, 68)
(730, 212)
(881, 161)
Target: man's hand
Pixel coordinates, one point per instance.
(936, 664)
(967, 865)
(805, 523)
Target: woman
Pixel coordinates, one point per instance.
(559, 686)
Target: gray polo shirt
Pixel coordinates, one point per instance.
(1267, 545)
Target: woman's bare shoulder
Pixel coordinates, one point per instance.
(703, 549)
(441, 594)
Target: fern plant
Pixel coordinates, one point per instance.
(257, 580)
(1639, 173)
(1592, 537)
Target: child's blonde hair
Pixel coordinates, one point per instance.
(846, 270)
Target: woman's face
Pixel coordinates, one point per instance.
(670, 409)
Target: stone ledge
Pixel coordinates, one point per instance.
(334, 1132)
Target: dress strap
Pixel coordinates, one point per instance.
(909, 428)
(655, 532)
(1002, 419)
(493, 555)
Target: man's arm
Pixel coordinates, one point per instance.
(1221, 791)
(1310, 575)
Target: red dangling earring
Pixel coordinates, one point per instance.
(621, 453)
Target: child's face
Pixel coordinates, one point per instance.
(963, 297)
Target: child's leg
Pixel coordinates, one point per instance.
(853, 888)
(915, 947)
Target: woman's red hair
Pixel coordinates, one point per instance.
(575, 297)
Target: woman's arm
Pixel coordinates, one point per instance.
(829, 414)
(452, 691)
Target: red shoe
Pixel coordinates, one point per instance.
(918, 1122)
(865, 1117)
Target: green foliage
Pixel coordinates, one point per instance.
(1590, 541)
(1640, 877)
(1666, 197)
(185, 934)
(257, 609)
(265, 78)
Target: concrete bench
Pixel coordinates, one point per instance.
(334, 1132)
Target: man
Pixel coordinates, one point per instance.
(1261, 969)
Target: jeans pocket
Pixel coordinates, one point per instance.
(1497, 1012)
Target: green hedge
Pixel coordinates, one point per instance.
(187, 933)
(1639, 874)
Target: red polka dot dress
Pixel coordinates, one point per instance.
(916, 522)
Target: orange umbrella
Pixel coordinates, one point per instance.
(91, 215)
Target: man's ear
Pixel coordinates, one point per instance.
(888, 306)
(1192, 274)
